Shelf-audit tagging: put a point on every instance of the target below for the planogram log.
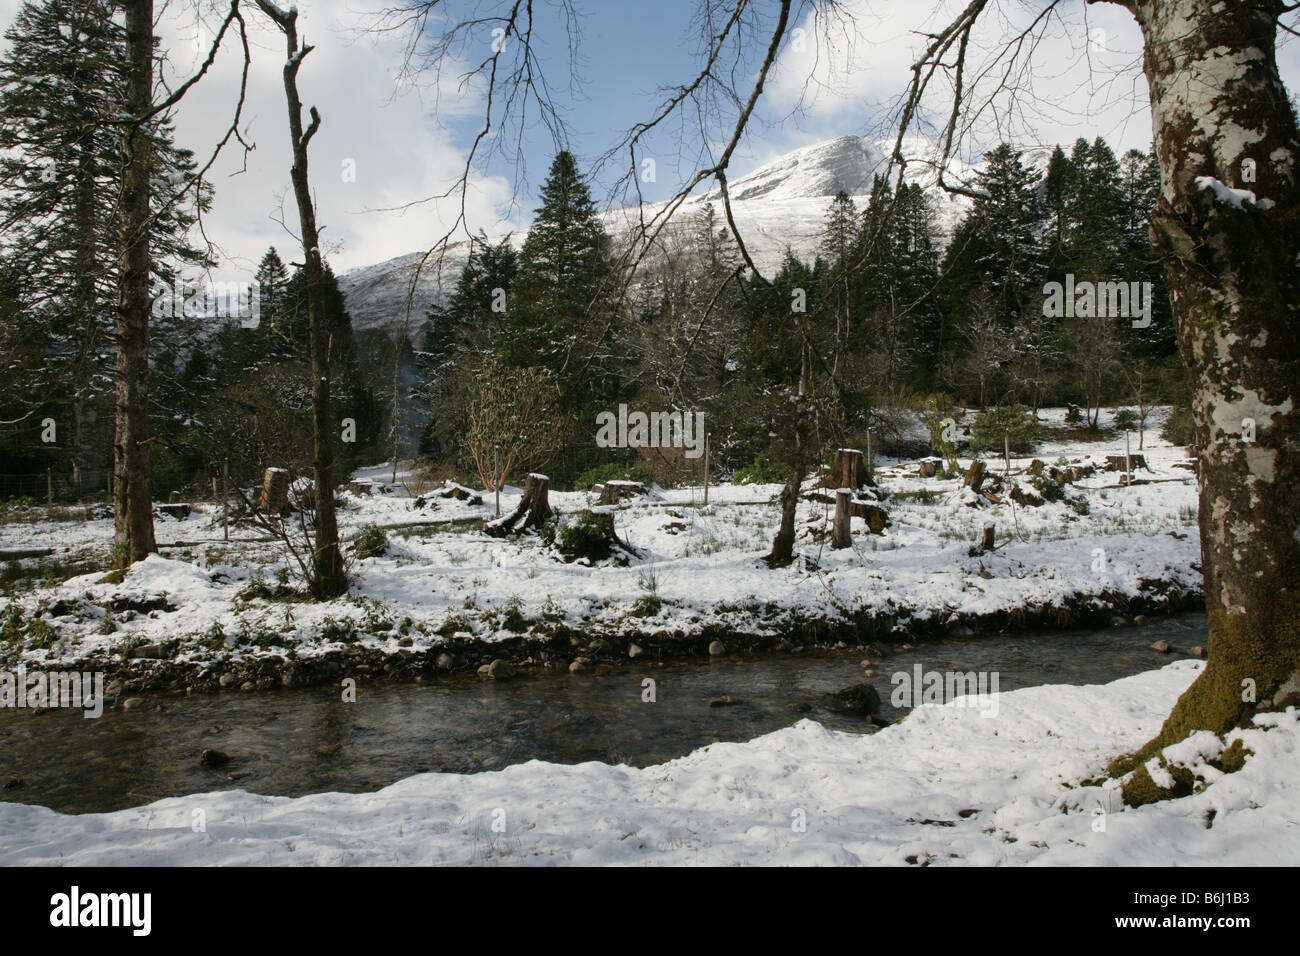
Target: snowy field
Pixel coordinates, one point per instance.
(699, 567)
(944, 786)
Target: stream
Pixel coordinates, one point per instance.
(295, 742)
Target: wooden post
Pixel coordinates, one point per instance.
(840, 529)
(707, 436)
(975, 474)
(1128, 458)
(49, 488)
(867, 460)
(496, 476)
(1006, 450)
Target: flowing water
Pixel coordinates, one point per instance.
(294, 742)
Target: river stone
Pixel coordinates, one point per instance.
(960, 630)
(445, 662)
(722, 701)
(225, 680)
(1198, 651)
(859, 700)
(146, 650)
(484, 670)
(501, 670)
(214, 758)
(577, 667)
(717, 649)
(132, 703)
(1161, 647)
(247, 686)
(634, 650)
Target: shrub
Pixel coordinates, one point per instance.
(1179, 428)
(1014, 421)
(1126, 418)
(613, 472)
(1049, 489)
(371, 541)
(763, 472)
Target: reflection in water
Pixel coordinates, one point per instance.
(307, 741)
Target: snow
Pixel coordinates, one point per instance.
(778, 206)
(1237, 198)
(946, 786)
(446, 577)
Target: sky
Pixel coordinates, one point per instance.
(388, 143)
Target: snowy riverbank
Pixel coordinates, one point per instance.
(945, 786)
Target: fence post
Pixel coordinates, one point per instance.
(225, 498)
(49, 488)
(707, 436)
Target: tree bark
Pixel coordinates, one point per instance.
(840, 529)
(329, 579)
(532, 512)
(133, 535)
(1217, 101)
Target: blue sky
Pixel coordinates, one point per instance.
(407, 143)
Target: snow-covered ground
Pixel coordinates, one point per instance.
(944, 786)
(699, 568)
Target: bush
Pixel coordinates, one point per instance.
(613, 472)
(762, 472)
(1014, 421)
(1049, 489)
(1126, 418)
(371, 541)
(1179, 428)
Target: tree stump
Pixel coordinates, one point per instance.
(848, 470)
(986, 542)
(1036, 467)
(928, 467)
(274, 496)
(612, 492)
(1117, 462)
(843, 517)
(975, 475)
(532, 512)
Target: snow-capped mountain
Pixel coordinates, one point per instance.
(778, 206)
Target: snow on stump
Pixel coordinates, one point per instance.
(460, 493)
(532, 512)
(612, 492)
(1126, 462)
(174, 509)
(588, 535)
(274, 496)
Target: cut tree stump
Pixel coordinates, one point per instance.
(848, 470)
(175, 509)
(987, 541)
(612, 492)
(928, 467)
(1116, 462)
(1036, 467)
(532, 512)
(274, 496)
(975, 475)
(843, 517)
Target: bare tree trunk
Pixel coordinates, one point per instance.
(783, 545)
(1234, 280)
(327, 559)
(133, 536)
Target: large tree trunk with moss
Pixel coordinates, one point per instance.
(1223, 123)
(133, 536)
(329, 579)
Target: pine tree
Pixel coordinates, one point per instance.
(562, 270)
(61, 89)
